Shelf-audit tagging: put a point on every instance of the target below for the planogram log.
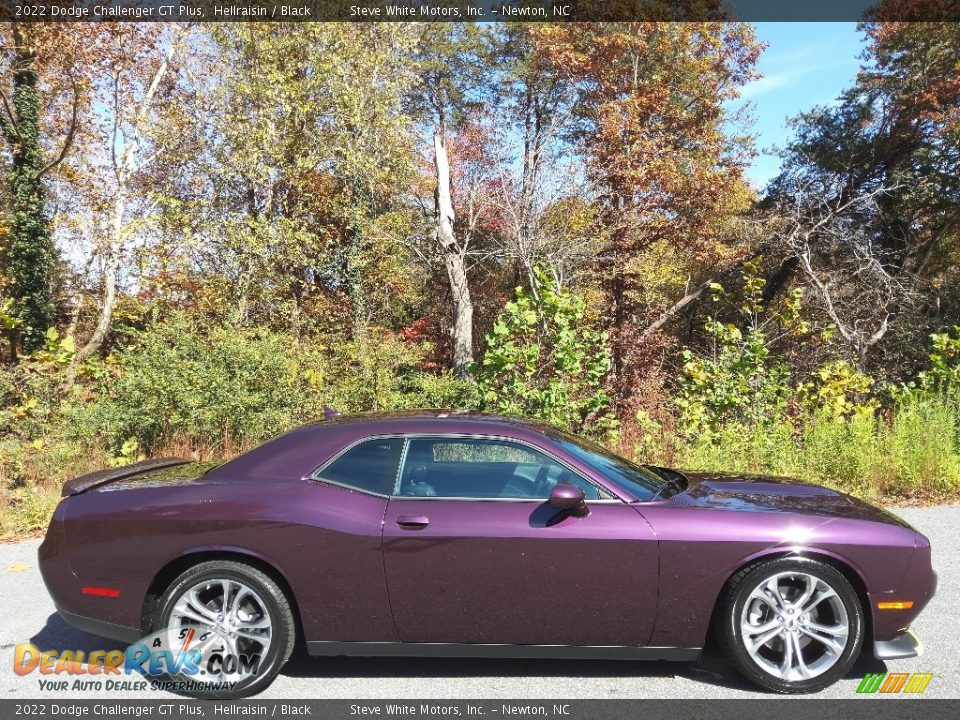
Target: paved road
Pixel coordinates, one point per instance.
(27, 615)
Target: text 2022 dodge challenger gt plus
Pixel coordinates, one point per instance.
(447, 534)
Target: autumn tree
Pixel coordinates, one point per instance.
(545, 359)
(241, 179)
(539, 188)
(292, 158)
(136, 82)
(869, 198)
(651, 124)
(370, 146)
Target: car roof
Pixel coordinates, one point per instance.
(427, 421)
(410, 417)
(298, 452)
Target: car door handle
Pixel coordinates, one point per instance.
(412, 521)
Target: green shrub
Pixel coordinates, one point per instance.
(545, 361)
(222, 387)
(382, 372)
(942, 378)
(214, 384)
(740, 385)
(427, 390)
(740, 382)
(944, 373)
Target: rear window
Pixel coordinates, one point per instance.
(370, 466)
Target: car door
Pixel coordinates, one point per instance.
(473, 552)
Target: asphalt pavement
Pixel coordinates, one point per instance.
(27, 615)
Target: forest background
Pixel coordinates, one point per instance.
(210, 232)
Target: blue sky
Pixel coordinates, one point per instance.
(806, 64)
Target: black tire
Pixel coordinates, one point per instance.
(736, 595)
(283, 626)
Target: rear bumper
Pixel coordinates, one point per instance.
(904, 645)
(117, 618)
(100, 627)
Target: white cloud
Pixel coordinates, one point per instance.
(766, 84)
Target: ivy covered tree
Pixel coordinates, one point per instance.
(46, 73)
(545, 360)
(29, 252)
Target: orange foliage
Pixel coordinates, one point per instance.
(652, 107)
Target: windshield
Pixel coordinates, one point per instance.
(640, 482)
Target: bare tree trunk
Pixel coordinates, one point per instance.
(454, 258)
(111, 266)
(462, 330)
(125, 165)
(692, 295)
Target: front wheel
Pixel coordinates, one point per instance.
(792, 625)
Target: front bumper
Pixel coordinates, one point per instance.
(904, 645)
(918, 585)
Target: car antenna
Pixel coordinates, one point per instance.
(329, 413)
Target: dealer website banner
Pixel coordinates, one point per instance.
(476, 11)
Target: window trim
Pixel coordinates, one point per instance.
(316, 475)
(503, 438)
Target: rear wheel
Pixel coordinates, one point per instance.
(792, 625)
(237, 618)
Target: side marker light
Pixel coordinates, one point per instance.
(102, 591)
(900, 605)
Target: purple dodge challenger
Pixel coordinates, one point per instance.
(452, 534)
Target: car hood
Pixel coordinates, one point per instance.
(757, 493)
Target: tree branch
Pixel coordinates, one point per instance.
(68, 141)
(934, 242)
(10, 125)
(690, 297)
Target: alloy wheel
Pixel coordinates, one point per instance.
(228, 618)
(794, 626)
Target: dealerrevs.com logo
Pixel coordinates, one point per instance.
(893, 683)
(178, 659)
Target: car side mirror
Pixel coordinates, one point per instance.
(567, 496)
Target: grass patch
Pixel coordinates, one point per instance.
(26, 511)
(32, 478)
(911, 454)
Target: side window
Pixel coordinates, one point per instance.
(370, 466)
(481, 468)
